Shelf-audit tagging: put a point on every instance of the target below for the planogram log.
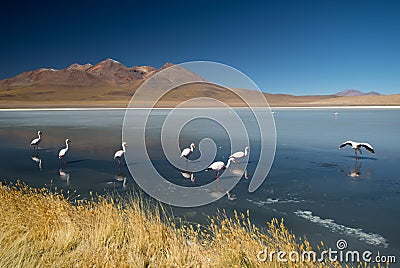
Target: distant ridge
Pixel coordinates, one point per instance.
(109, 83)
(354, 92)
(107, 73)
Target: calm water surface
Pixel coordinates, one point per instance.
(322, 192)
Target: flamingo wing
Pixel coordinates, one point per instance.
(216, 165)
(368, 147)
(118, 154)
(345, 144)
(35, 141)
(185, 152)
(62, 152)
(237, 155)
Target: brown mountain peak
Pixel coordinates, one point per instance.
(77, 66)
(107, 65)
(166, 65)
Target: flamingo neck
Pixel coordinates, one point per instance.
(66, 144)
(229, 162)
(39, 135)
(123, 148)
(245, 152)
(191, 148)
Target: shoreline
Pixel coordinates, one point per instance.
(194, 108)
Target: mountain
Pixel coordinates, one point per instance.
(109, 83)
(79, 67)
(353, 92)
(107, 72)
(108, 80)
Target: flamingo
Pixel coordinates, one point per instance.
(357, 146)
(219, 165)
(239, 155)
(63, 152)
(36, 141)
(188, 151)
(120, 153)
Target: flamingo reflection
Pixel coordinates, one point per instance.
(64, 175)
(38, 160)
(121, 177)
(240, 171)
(188, 175)
(231, 197)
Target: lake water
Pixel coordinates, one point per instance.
(322, 192)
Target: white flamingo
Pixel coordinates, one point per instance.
(357, 146)
(63, 152)
(36, 141)
(219, 165)
(238, 155)
(120, 153)
(188, 151)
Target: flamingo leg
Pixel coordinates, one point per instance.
(356, 154)
(60, 162)
(119, 164)
(217, 175)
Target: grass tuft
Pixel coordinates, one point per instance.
(39, 228)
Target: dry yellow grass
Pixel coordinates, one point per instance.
(43, 229)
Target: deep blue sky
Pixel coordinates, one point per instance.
(295, 47)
